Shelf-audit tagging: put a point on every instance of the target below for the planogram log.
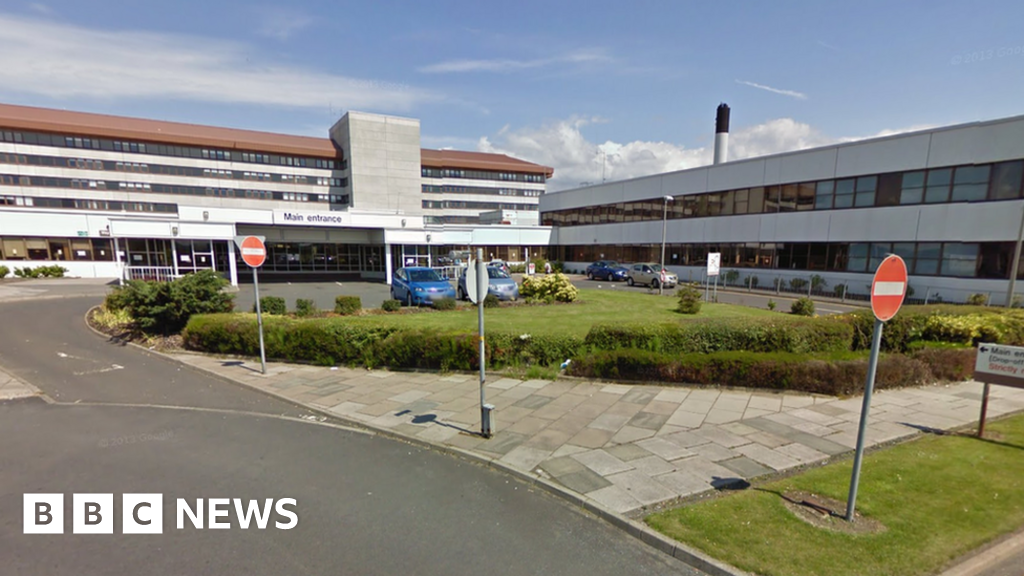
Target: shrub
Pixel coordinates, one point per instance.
(557, 267)
(271, 305)
(840, 290)
(797, 283)
(391, 305)
(771, 304)
(967, 329)
(517, 268)
(53, 271)
(557, 286)
(802, 306)
(4, 271)
(166, 307)
(347, 305)
(818, 282)
(305, 307)
(730, 276)
(753, 281)
(946, 363)
(689, 299)
(491, 301)
(445, 304)
(977, 300)
(1017, 301)
(716, 335)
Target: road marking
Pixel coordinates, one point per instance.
(100, 370)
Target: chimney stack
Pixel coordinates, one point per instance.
(722, 134)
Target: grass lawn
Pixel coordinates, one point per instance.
(939, 497)
(594, 307)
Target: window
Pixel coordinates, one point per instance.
(879, 250)
(937, 189)
(787, 199)
(865, 195)
(1006, 179)
(888, 190)
(857, 258)
(905, 250)
(928, 256)
(756, 201)
(844, 193)
(742, 202)
(772, 199)
(823, 194)
(970, 183)
(912, 187)
(959, 259)
(805, 196)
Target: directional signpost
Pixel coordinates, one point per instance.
(476, 287)
(254, 253)
(887, 292)
(714, 268)
(1002, 365)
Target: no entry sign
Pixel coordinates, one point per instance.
(889, 288)
(254, 252)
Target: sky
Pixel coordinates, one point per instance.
(597, 90)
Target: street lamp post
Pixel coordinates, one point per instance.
(664, 224)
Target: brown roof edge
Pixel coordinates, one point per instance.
(480, 161)
(121, 127)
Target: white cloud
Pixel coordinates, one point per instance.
(280, 23)
(579, 57)
(40, 8)
(576, 160)
(59, 60)
(791, 93)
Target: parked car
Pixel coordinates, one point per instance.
(416, 286)
(499, 264)
(499, 283)
(607, 270)
(649, 273)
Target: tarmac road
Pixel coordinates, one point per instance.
(366, 504)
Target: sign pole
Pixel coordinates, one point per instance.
(259, 318)
(876, 342)
(481, 295)
(984, 412)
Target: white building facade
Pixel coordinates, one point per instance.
(949, 201)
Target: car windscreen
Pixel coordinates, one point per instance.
(424, 276)
(611, 264)
(496, 273)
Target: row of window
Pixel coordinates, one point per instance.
(48, 182)
(441, 204)
(955, 259)
(988, 182)
(451, 219)
(141, 167)
(481, 175)
(87, 204)
(432, 189)
(65, 141)
(322, 257)
(92, 249)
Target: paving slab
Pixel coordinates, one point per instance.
(642, 487)
(601, 462)
(746, 467)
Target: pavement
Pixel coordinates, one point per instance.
(627, 448)
(110, 418)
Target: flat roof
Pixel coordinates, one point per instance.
(480, 161)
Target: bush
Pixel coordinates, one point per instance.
(4, 271)
(717, 335)
(753, 280)
(968, 329)
(557, 286)
(730, 276)
(517, 268)
(977, 300)
(305, 308)
(491, 301)
(771, 304)
(798, 283)
(165, 307)
(347, 305)
(53, 271)
(938, 323)
(272, 305)
(818, 282)
(689, 299)
(802, 306)
(445, 304)
(948, 364)
(777, 371)
(839, 290)
(391, 305)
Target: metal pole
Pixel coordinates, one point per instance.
(716, 288)
(876, 343)
(1016, 262)
(481, 295)
(927, 293)
(984, 412)
(810, 285)
(259, 319)
(664, 225)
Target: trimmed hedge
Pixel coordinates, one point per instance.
(715, 335)
(271, 305)
(779, 371)
(391, 305)
(165, 307)
(347, 305)
(305, 307)
(938, 323)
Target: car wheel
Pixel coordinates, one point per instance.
(590, 275)
(654, 284)
(629, 280)
(408, 299)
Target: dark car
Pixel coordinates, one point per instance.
(499, 283)
(607, 270)
(416, 286)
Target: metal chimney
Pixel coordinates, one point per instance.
(722, 134)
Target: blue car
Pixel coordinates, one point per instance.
(499, 283)
(416, 286)
(607, 270)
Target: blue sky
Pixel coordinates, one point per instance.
(630, 87)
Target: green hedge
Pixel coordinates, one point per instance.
(938, 323)
(715, 335)
(779, 371)
(271, 305)
(346, 305)
(165, 307)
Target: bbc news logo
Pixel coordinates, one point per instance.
(143, 513)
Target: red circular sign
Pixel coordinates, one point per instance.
(889, 287)
(254, 253)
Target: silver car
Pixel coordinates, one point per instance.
(499, 283)
(649, 273)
